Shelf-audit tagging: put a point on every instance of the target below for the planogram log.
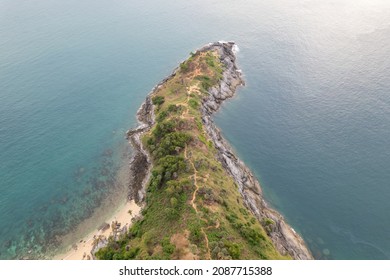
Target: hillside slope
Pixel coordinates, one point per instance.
(200, 201)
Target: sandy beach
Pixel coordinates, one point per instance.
(82, 249)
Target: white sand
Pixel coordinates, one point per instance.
(83, 249)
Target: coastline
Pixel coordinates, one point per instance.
(83, 250)
(139, 168)
(284, 238)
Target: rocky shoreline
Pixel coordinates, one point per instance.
(285, 239)
(140, 163)
(283, 236)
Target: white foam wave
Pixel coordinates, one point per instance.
(235, 49)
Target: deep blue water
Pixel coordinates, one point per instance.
(313, 122)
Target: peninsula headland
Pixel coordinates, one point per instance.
(199, 201)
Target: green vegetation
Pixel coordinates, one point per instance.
(193, 208)
(158, 100)
(184, 67)
(206, 82)
(193, 103)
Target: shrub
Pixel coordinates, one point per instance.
(162, 116)
(234, 250)
(163, 128)
(172, 108)
(169, 144)
(195, 233)
(268, 225)
(244, 211)
(167, 246)
(158, 100)
(184, 66)
(135, 229)
(193, 103)
(206, 82)
(173, 201)
(251, 235)
(155, 180)
(171, 214)
(172, 163)
(202, 139)
(199, 124)
(131, 254)
(210, 60)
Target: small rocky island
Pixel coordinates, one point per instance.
(199, 200)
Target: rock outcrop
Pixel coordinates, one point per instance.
(140, 163)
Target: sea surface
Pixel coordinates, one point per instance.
(313, 121)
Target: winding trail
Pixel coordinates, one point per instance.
(193, 204)
(185, 115)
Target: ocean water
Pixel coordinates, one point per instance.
(313, 121)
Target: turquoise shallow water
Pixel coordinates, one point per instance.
(313, 122)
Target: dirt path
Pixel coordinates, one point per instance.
(193, 204)
(185, 115)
